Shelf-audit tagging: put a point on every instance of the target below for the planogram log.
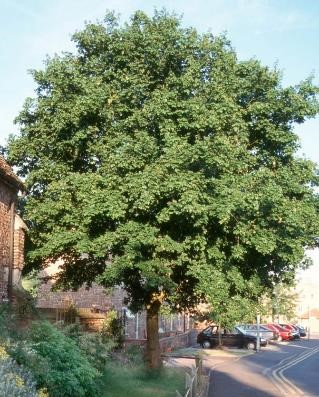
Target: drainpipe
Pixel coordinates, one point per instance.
(11, 252)
(136, 326)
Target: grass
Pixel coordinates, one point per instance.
(136, 381)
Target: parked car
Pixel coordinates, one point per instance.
(284, 334)
(302, 330)
(209, 338)
(251, 329)
(294, 332)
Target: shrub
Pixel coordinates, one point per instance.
(56, 362)
(135, 355)
(112, 328)
(24, 306)
(15, 381)
(96, 348)
(70, 314)
(7, 322)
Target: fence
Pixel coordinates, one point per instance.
(135, 324)
(178, 340)
(195, 383)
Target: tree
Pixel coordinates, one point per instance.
(282, 302)
(231, 298)
(153, 146)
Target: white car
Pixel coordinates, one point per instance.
(251, 329)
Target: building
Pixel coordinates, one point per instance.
(12, 232)
(307, 289)
(92, 305)
(307, 305)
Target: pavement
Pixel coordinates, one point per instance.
(186, 358)
(212, 358)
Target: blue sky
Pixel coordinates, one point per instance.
(283, 32)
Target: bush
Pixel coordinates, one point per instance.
(70, 314)
(15, 381)
(56, 362)
(4, 321)
(7, 321)
(24, 306)
(112, 328)
(96, 348)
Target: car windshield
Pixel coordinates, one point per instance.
(252, 327)
(212, 329)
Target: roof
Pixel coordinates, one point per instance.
(7, 174)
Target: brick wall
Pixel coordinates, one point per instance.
(18, 249)
(95, 297)
(82, 298)
(6, 195)
(103, 300)
(10, 185)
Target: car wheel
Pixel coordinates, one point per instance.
(279, 339)
(251, 346)
(206, 344)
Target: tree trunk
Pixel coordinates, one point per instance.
(220, 342)
(153, 356)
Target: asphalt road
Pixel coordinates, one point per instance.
(286, 369)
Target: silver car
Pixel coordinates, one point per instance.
(251, 329)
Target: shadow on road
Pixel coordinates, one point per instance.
(281, 369)
(229, 386)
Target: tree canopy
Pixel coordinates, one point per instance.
(154, 157)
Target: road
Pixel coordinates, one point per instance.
(286, 369)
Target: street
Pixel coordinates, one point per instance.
(286, 369)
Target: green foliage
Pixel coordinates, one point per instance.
(112, 329)
(70, 314)
(5, 322)
(155, 146)
(24, 306)
(56, 362)
(9, 317)
(133, 355)
(231, 298)
(281, 301)
(98, 350)
(138, 382)
(96, 346)
(31, 283)
(16, 381)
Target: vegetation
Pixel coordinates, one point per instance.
(154, 146)
(112, 329)
(16, 381)
(281, 303)
(54, 361)
(135, 382)
(231, 298)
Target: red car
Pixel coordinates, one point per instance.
(284, 334)
(294, 332)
